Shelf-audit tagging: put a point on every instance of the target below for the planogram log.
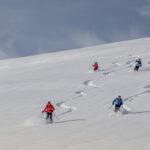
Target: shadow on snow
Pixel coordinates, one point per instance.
(65, 121)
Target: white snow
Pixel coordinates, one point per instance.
(82, 98)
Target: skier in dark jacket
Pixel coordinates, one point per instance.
(138, 64)
(49, 108)
(118, 102)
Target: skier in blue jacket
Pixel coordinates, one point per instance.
(118, 102)
(138, 64)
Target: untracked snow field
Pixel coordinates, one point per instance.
(82, 98)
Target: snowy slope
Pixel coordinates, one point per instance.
(81, 97)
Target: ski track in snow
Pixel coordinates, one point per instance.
(133, 96)
(108, 73)
(81, 93)
(65, 107)
(147, 86)
(132, 56)
(116, 64)
(59, 104)
(124, 67)
(89, 83)
(130, 63)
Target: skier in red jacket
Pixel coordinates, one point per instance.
(49, 108)
(95, 66)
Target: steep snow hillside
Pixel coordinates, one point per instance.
(84, 118)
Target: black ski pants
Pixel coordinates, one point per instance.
(49, 115)
(117, 107)
(136, 68)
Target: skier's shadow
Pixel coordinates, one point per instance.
(139, 112)
(65, 121)
(134, 112)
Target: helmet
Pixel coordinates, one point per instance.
(119, 96)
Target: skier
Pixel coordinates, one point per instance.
(138, 64)
(118, 102)
(49, 108)
(95, 66)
